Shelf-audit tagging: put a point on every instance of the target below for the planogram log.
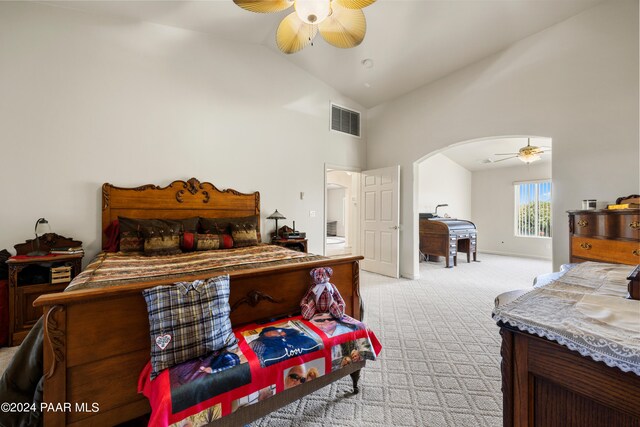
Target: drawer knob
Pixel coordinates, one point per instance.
(585, 245)
(635, 225)
(636, 252)
(583, 223)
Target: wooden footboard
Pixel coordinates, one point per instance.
(97, 340)
(545, 384)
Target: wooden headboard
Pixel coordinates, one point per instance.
(180, 199)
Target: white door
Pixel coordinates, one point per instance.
(380, 201)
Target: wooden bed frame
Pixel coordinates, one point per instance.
(545, 384)
(96, 341)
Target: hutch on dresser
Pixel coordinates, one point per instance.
(32, 276)
(605, 235)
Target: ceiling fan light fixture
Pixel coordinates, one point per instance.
(312, 11)
(529, 157)
(340, 22)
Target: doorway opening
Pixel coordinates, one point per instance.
(342, 211)
(497, 185)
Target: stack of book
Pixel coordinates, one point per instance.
(67, 250)
(624, 206)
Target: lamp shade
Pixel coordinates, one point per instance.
(276, 215)
(42, 227)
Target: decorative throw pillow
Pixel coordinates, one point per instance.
(162, 237)
(205, 242)
(224, 225)
(188, 320)
(244, 234)
(215, 225)
(112, 234)
(188, 224)
(130, 238)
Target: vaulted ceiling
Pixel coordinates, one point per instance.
(410, 42)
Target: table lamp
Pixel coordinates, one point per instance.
(276, 215)
(42, 227)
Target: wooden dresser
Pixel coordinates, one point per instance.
(605, 235)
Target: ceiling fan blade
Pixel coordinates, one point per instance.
(293, 34)
(344, 27)
(264, 6)
(506, 158)
(354, 4)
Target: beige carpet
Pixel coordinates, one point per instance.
(440, 365)
(6, 354)
(441, 357)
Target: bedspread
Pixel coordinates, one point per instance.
(109, 269)
(585, 310)
(270, 358)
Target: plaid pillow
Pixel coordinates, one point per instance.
(188, 320)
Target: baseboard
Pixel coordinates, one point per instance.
(514, 254)
(410, 276)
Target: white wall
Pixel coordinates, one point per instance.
(443, 181)
(87, 99)
(492, 205)
(336, 204)
(575, 82)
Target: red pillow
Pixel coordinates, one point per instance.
(200, 242)
(113, 237)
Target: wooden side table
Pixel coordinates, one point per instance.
(30, 277)
(295, 244)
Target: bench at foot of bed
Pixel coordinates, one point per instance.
(273, 365)
(251, 413)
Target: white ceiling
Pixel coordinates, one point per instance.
(481, 155)
(411, 42)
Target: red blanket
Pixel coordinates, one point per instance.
(270, 358)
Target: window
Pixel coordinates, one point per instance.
(533, 209)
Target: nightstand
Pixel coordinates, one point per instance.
(31, 276)
(295, 244)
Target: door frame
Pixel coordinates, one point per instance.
(355, 244)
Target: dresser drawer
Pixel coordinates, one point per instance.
(466, 234)
(627, 226)
(587, 224)
(626, 252)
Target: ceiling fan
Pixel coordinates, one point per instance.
(340, 22)
(527, 154)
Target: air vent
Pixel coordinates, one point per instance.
(345, 121)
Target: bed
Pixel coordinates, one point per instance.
(96, 340)
(571, 351)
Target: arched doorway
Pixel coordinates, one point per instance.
(496, 183)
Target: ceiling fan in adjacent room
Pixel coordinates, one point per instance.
(528, 154)
(340, 22)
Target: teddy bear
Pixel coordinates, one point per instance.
(322, 296)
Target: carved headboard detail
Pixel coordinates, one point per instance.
(180, 199)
